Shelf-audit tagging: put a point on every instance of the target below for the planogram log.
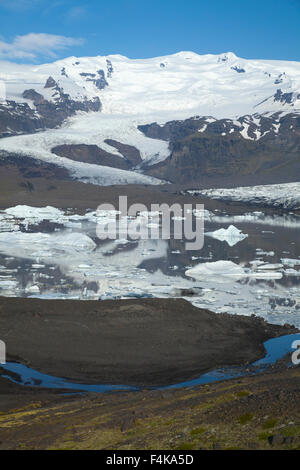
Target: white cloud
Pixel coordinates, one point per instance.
(32, 45)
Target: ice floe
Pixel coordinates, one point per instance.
(44, 242)
(231, 235)
(218, 270)
(67, 263)
(222, 271)
(290, 262)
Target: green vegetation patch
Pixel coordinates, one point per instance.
(243, 393)
(246, 418)
(197, 432)
(270, 423)
(264, 436)
(291, 431)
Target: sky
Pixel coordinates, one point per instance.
(37, 31)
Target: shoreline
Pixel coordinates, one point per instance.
(145, 342)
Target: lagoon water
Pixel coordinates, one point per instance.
(64, 259)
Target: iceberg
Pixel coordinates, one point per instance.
(224, 271)
(217, 270)
(231, 235)
(74, 241)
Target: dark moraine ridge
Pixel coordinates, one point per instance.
(147, 342)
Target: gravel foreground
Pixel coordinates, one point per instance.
(148, 342)
(140, 342)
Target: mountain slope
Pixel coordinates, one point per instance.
(250, 150)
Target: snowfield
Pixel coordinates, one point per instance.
(179, 85)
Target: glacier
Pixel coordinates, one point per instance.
(285, 195)
(140, 91)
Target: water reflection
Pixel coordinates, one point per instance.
(45, 267)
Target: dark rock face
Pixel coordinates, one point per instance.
(97, 156)
(50, 83)
(280, 78)
(173, 130)
(219, 152)
(283, 97)
(223, 59)
(18, 118)
(54, 113)
(32, 95)
(91, 154)
(32, 168)
(84, 74)
(110, 68)
(238, 69)
(99, 82)
(131, 153)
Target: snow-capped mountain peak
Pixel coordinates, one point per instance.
(180, 85)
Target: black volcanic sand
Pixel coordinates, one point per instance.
(147, 342)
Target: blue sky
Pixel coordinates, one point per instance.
(42, 30)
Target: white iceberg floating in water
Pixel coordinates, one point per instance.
(290, 262)
(38, 213)
(218, 269)
(224, 271)
(231, 235)
(292, 272)
(74, 240)
(269, 266)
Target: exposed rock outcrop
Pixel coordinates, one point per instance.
(253, 149)
(18, 118)
(91, 154)
(56, 111)
(31, 168)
